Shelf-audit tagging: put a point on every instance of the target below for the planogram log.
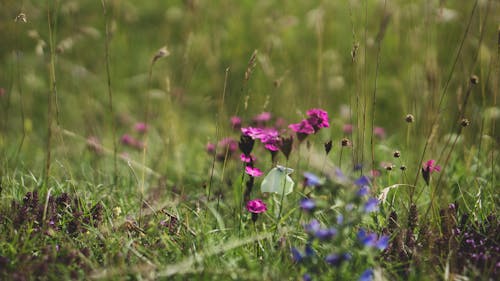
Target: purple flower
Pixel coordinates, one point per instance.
(304, 127)
(371, 205)
(325, 233)
(235, 122)
(309, 251)
(253, 172)
(256, 206)
(280, 123)
(340, 219)
(307, 204)
(431, 166)
(262, 118)
(373, 240)
(270, 139)
(128, 140)
(296, 255)
(268, 136)
(367, 239)
(228, 144)
(347, 129)
(210, 148)
(312, 227)
(362, 181)
(272, 145)
(311, 179)
(364, 190)
(340, 175)
(247, 159)
(428, 168)
(333, 259)
(379, 132)
(382, 242)
(337, 259)
(254, 133)
(306, 277)
(318, 119)
(367, 275)
(141, 127)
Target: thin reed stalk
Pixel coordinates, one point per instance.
(110, 91)
(379, 38)
(52, 93)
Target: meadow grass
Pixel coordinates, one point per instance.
(124, 125)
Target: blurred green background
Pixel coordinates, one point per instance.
(305, 59)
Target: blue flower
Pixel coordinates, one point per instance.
(296, 255)
(306, 277)
(363, 190)
(307, 204)
(340, 176)
(311, 179)
(372, 240)
(312, 227)
(309, 251)
(334, 259)
(382, 242)
(367, 275)
(325, 234)
(371, 205)
(362, 181)
(340, 219)
(367, 239)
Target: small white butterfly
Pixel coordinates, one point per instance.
(278, 181)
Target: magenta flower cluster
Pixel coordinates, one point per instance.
(268, 136)
(132, 141)
(256, 206)
(428, 168)
(317, 119)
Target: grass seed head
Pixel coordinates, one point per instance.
(465, 122)
(474, 80)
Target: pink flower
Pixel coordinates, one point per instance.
(262, 118)
(280, 123)
(270, 139)
(253, 172)
(256, 206)
(139, 145)
(141, 127)
(304, 127)
(431, 167)
(254, 133)
(375, 173)
(228, 144)
(272, 145)
(2, 92)
(428, 168)
(236, 122)
(318, 118)
(210, 148)
(379, 132)
(268, 136)
(347, 128)
(247, 159)
(128, 140)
